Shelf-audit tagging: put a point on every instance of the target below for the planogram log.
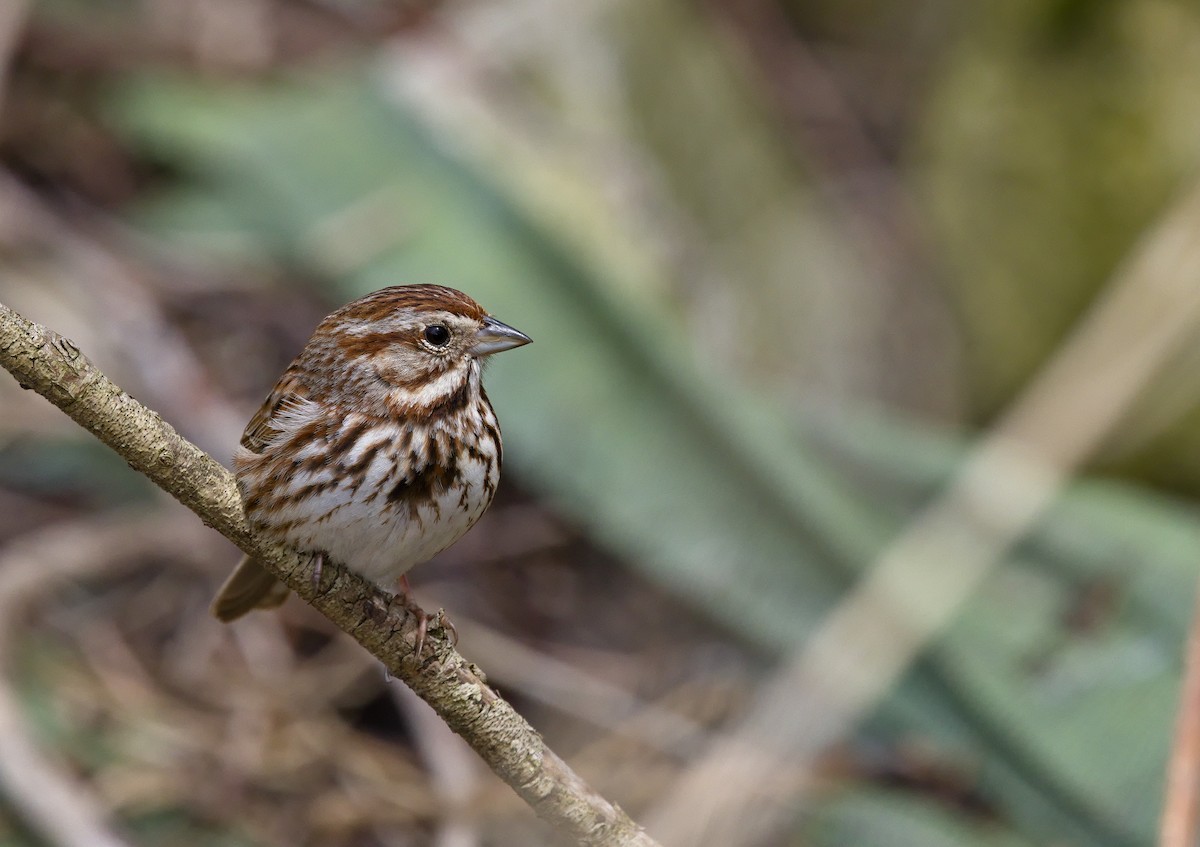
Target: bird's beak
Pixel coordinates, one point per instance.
(495, 337)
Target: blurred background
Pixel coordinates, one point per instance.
(823, 292)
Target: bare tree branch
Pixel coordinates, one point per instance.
(52, 365)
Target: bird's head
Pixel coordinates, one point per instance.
(417, 344)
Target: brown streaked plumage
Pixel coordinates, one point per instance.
(378, 446)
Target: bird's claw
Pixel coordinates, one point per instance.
(318, 565)
(423, 618)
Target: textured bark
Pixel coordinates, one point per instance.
(51, 365)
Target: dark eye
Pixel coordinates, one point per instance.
(437, 335)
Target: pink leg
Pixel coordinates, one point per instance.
(423, 618)
(318, 563)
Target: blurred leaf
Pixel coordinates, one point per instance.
(873, 817)
(77, 468)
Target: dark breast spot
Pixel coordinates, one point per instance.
(423, 483)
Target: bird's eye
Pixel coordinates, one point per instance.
(437, 335)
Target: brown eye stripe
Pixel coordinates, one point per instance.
(371, 343)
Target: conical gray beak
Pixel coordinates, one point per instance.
(496, 337)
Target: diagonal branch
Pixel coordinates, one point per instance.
(54, 367)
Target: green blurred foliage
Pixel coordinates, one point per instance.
(84, 472)
(872, 816)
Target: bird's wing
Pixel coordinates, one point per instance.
(286, 409)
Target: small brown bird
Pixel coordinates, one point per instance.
(377, 447)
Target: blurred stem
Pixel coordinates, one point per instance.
(53, 366)
(1181, 808)
(12, 23)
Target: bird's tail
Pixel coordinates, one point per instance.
(249, 587)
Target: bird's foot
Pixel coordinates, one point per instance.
(423, 619)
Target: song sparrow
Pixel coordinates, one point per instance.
(377, 447)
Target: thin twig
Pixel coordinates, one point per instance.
(55, 367)
(1180, 822)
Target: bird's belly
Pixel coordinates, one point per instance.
(383, 545)
(387, 523)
